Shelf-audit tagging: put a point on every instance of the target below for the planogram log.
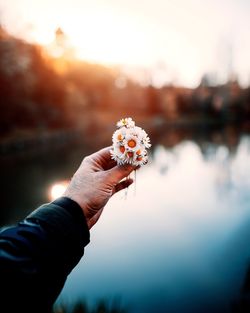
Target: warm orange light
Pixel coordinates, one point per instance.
(96, 36)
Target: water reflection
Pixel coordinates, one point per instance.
(181, 244)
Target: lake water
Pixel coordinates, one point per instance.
(178, 241)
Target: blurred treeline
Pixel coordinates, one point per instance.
(40, 93)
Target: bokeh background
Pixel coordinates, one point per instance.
(178, 241)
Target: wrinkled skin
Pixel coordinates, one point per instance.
(95, 181)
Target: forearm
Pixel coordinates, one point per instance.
(42, 250)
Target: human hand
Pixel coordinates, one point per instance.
(95, 181)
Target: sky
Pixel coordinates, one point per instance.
(170, 40)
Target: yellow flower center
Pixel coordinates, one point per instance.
(139, 158)
(131, 143)
(138, 152)
(122, 149)
(119, 137)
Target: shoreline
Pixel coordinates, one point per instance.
(24, 141)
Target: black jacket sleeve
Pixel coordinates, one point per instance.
(37, 255)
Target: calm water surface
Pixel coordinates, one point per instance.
(178, 242)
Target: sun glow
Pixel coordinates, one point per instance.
(116, 38)
(109, 41)
(159, 37)
(57, 190)
(101, 37)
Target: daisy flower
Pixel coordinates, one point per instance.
(127, 122)
(130, 143)
(145, 139)
(119, 135)
(115, 156)
(141, 161)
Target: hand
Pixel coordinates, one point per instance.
(95, 181)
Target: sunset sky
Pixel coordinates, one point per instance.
(179, 40)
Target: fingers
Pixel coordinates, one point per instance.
(117, 173)
(102, 159)
(110, 163)
(103, 153)
(122, 185)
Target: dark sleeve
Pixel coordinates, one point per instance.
(37, 255)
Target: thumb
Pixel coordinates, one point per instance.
(117, 173)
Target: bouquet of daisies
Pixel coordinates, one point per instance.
(130, 143)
